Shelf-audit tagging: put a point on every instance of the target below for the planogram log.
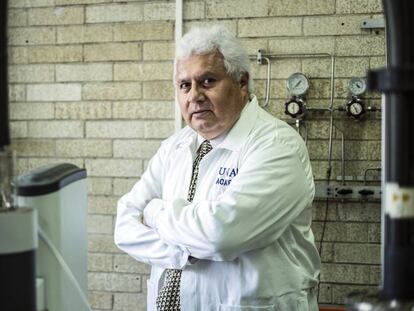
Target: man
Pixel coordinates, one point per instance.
(223, 211)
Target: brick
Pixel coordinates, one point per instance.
(332, 25)
(54, 92)
(306, 45)
(252, 45)
(16, 18)
(358, 6)
(158, 50)
(143, 110)
(102, 204)
(317, 67)
(114, 129)
(56, 16)
(340, 292)
(351, 67)
(98, 243)
(193, 10)
(100, 300)
(278, 26)
(32, 36)
(84, 72)
(114, 282)
(357, 212)
(374, 233)
(30, 3)
(84, 34)
(83, 110)
(354, 150)
(114, 167)
(325, 293)
(281, 69)
(301, 7)
(123, 185)
(112, 91)
(370, 129)
(100, 262)
(31, 73)
(98, 186)
(231, 25)
(55, 54)
(101, 224)
(143, 31)
(35, 148)
(18, 129)
(18, 55)
(84, 148)
(159, 129)
(55, 129)
(114, 13)
(124, 263)
(112, 51)
(31, 111)
(130, 302)
(17, 92)
(357, 253)
(143, 71)
(135, 148)
(345, 273)
(234, 8)
(360, 45)
(346, 232)
(158, 90)
(377, 62)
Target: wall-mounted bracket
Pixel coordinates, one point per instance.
(373, 23)
(347, 192)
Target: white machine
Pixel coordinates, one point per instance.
(58, 193)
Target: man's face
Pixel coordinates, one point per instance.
(210, 100)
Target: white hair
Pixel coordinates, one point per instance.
(210, 39)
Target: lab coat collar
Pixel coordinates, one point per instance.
(237, 134)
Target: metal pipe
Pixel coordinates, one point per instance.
(268, 82)
(397, 82)
(4, 101)
(178, 120)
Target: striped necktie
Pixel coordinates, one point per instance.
(169, 296)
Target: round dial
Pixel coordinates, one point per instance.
(292, 108)
(357, 86)
(295, 107)
(355, 108)
(297, 84)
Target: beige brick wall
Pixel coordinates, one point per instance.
(90, 84)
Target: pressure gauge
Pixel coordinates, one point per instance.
(355, 107)
(297, 84)
(295, 107)
(357, 86)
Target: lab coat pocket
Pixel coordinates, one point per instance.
(293, 302)
(247, 308)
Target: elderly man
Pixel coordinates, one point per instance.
(223, 211)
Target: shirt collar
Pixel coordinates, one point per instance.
(234, 138)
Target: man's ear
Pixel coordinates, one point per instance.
(244, 81)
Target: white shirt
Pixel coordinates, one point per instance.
(248, 224)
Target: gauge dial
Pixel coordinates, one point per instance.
(297, 84)
(355, 107)
(295, 107)
(357, 86)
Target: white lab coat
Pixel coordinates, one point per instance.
(248, 225)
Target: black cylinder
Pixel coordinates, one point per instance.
(397, 82)
(4, 98)
(17, 276)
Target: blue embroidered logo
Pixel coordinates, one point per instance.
(225, 175)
